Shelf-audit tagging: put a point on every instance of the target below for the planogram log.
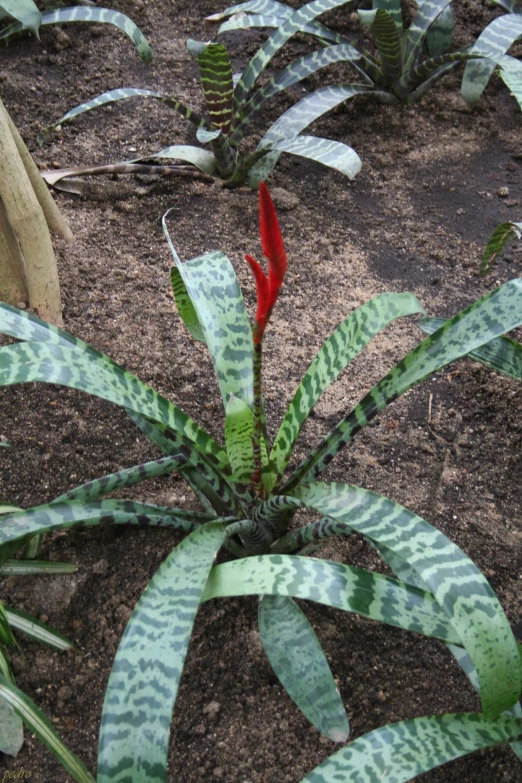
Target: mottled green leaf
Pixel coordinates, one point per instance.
(440, 33)
(82, 14)
(11, 730)
(298, 660)
(38, 724)
(144, 680)
(498, 312)
(458, 585)
(511, 74)
(346, 342)
(398, 752)
(185, 307)
(213, 288)
(502, 354)
(493, 42)
(344, 587)
(238, 438)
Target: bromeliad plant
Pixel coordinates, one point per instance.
(250, 499)
(230, 107)
(29, 18)
(407, 61)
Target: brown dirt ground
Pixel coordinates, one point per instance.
(415, 219)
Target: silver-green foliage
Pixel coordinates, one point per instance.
(231, 104)
(408, 61)
(29, 18)
(439, 592)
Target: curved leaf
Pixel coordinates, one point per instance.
(144, 680)
(263, 20)
(36, 721)
(203, 159)
(458, 585)
(346, 342)
(398, 752)
(426, 16)
(503, 354)
(330, 153)
(213, 288)
(95, 15)
(498, 312)
(494, 41)
(301, 666)
(25, 11)
(344, 587)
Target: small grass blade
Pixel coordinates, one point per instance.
(38, 630)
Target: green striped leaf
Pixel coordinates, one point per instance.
(298, 660)
(462, 591)
(25, 11)
(38, 724)
(502, 354)
(365, 66)
(253, 6)
(31, 567)
(393, 9)
(344, 587)
(51, 360)
(215, 73)
(11, 730)
(37, 630)
(493, 42)
(5, 669)
(213, 288)
(309, 109)
(144, 680)
(6, 635)
(264, 55)
(440, 33)
(415, 82)
(239, 429)
(324, 34)
(82, 14)
(121, 94)
(330, 153)
(388, 40)
(128, 477)
(398, 752)
(498, 312)
(343, 345)
(185, 307)
(427, 15)
(57, 516)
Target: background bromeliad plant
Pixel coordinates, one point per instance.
(250, 499)
(231, 104)
(404, 62)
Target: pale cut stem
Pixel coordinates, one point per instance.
(55, 219)
(29, 225)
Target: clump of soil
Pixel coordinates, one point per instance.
(432, 188)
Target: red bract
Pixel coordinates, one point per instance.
(274, 251)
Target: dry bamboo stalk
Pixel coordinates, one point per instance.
(27, 220)
(55, 219)
(13, 288)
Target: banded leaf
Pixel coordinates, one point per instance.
(440, 33)
(25, 11)
(301, 69)
(429, 11)
(351, 589)
(144, 680)
(238, 438)
(415, 82)
(215, 73)
(461, 589)
(38, 724)
(57, 516)
(330, 153)
(393, 9)
(399, 752)
(297, 658)
(502, 354)
(498, 312)
(82, 14)
(388, 40)
(211, 284)
(121, 94)
(493, 42)
(261, 59)
(128, 477)
(511, 74)
(346, 342)
(37, 630)
(262, 20)
(253, 6)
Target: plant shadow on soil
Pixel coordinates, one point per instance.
(415, 219)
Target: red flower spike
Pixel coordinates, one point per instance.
(274, 251)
